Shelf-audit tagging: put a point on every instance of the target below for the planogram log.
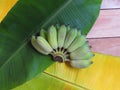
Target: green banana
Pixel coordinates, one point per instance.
(78, 42)
(52, 37)
(66, 44)
(61, 36)
(80, 52)
(70, 37)
(78, 32)
(68, 28)
(44, 44)
(80, 63)
(37, 47)
(88, 55)
(43, 33)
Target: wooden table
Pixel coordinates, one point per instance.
(105, 34)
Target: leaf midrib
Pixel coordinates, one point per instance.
(66, 81)
(25, 40)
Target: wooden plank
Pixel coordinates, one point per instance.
(110, 46)
(107, 25)
(109, 4)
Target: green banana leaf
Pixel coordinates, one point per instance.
(46, 82)
(19, 62)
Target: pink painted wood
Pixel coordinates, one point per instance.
(110, 46)
(107, 4)
(107, 25)
(104, 37)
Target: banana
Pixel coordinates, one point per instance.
(44, 44)
(64, 44)
(61, 36)
(80, 52)
(70, 37)
(68, 28)
(52, 37)
(80, 63)
(78, 42)
(43, 33)
(79, 32)
(88, 55)
(37, 47)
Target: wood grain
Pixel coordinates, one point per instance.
(110, 4)
(110, 46)
(107, 25)
(104, 36)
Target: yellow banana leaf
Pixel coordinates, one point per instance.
(103, 74)
(5, 6)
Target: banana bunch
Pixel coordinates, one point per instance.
(64, 44)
